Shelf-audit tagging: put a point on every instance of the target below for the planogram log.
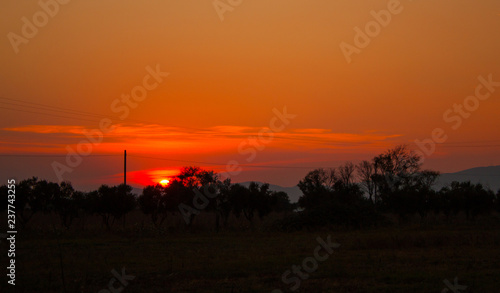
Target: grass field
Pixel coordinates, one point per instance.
(390, 259)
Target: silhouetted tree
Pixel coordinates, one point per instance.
(83, 204)
(346, 173)
(44, 194)
(4, 191)
(112, 203)
(497, 201)
(418, 195)
(25, 194)
(476, 199)
(332, 197)
(65, 204)
(397, 167)
(238, 195)
(195, 187)
(259, 200)
(402, 186)
(223, 203)
(152, 202)
(366, 171)
(316, 186)
(280, 202)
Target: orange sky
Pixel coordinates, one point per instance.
(226, 77)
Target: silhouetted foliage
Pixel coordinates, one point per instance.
(280, 202)
(332, 197)
(473, 199)
(194, 189)
(497, 201)
(415, 196)
(112, 203)
(65, 204)
(25, 197)
(4, 191)
(366, 171)
(349, 195)
(396, 169)
(152, 202)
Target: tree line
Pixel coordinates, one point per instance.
(190, 192)
(390, 183)
(353, 195)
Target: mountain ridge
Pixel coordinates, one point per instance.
(489, 176)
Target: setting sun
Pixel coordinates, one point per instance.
(164, 182)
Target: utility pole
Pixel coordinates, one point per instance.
(125, 167)
(124, 179)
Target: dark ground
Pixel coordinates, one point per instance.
(408, 258)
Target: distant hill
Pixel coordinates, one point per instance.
(137, 190)
(488, 176)
(293, 192)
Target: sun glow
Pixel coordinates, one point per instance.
(164, 182)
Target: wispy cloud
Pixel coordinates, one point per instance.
(155, 138)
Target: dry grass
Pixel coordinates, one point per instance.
(391, 259)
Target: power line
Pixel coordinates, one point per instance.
(48, 114)
(207, 163)
(78, 112)
(219, 164)
(51, 156)
(44, 107)
(162, 159)
(47, 108)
